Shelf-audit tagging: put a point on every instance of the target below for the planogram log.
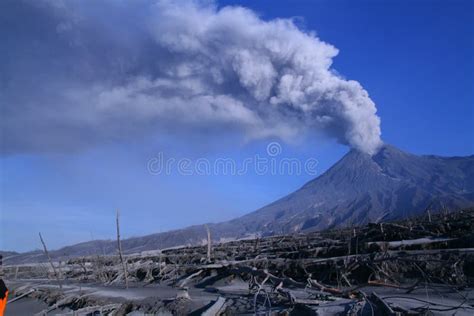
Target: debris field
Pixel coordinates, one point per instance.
(419, 266)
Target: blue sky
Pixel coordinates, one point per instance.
(414, 58)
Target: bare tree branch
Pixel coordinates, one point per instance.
(119, 246)
(56, 274)
(209, 244)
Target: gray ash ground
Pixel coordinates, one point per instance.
(421, 266)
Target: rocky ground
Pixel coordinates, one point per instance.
(419, 266)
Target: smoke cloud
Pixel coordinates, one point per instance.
(75, 74)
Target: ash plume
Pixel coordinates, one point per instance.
(79, 73)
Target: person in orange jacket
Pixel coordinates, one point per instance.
(3, 297)
(3, 290)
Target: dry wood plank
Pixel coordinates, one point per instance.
(215, 308)
(21, 296)
(382, 305)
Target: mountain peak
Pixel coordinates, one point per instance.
(388, 155)
(385, 150)
(360, 188)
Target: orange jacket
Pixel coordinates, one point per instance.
(3, 297)
(3, 303)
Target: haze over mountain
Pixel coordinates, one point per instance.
(360, 188)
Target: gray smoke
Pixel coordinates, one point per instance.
(77, 73)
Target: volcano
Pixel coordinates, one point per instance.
(358, 189)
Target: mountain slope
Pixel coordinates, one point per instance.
(359, 188)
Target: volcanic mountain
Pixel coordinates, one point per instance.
(360, 188)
